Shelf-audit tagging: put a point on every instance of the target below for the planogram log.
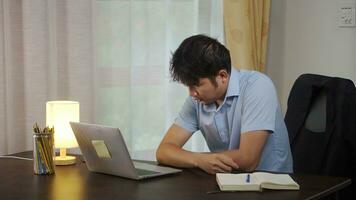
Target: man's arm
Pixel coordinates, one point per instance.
(247, 157)
(249, 153)
(170, 152)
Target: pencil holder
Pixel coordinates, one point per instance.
(43, 153)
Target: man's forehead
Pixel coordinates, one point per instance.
(199, 82)
(203, 81)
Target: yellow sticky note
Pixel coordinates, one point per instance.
(101, 148)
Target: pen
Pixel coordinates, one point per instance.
(213, 192)
(247, 178)
(218, 191)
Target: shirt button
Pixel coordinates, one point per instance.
(223, 136)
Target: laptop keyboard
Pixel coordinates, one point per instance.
(143, 172)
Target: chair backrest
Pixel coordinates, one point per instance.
(320, 119)
(316, 117)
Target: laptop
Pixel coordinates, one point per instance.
(104, 151)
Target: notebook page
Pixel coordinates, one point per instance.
(280, 179)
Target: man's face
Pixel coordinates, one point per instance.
(207, 92)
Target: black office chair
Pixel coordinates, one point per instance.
(321, 122)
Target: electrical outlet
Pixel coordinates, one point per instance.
(346, 15)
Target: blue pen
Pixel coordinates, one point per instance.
(248, 178)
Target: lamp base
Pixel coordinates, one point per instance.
(66, 160)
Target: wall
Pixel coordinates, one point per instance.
(305, 38)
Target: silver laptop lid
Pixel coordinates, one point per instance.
(93, 139)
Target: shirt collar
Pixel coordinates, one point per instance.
(233, 89)
(234, 83)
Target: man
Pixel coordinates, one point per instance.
(237, 112)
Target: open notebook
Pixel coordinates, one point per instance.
(255, 181)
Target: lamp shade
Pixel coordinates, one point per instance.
(59, 114)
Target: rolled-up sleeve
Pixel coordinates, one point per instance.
(260, 105)
(187, 117)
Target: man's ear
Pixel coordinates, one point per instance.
(224, 76)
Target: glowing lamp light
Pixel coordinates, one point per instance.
(59, 114)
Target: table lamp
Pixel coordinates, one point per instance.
(58, 115)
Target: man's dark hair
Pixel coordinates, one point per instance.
(199, 56)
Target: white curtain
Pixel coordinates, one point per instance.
(46, 54)
(111, 56)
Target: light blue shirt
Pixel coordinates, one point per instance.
(250, 104)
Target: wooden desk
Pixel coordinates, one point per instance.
(17, 181)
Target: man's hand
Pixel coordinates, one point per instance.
(214, 163)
